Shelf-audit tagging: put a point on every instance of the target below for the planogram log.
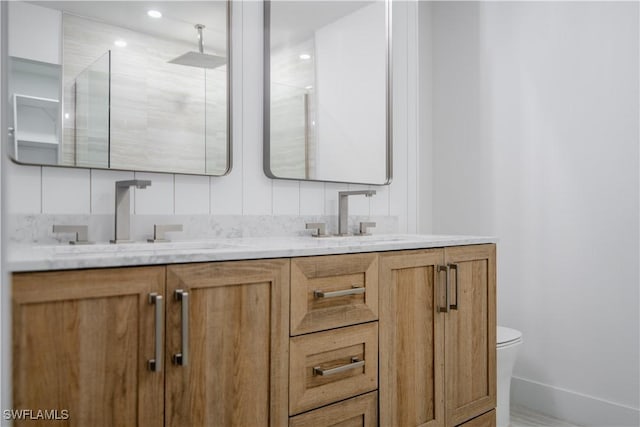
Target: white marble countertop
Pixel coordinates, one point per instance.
(69, 257)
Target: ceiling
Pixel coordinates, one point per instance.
(296, 21)
(177, 22)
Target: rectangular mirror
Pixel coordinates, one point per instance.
(128, 85)
(327, 111)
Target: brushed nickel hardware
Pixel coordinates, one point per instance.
(364, 226)
(355, 290)
(320, 227)
(123, 208)
(182, 358)
(355, 363)
(446, 307)
(155, 364)
(81, 232)
(343, 208)
(160, 229)
(455, 267)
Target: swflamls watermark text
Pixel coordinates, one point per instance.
(36, 414)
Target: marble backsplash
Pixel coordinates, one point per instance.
(37, 229)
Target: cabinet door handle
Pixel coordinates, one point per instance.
(155, 365)
(454, 267)
(355, 290)
(445, 268)
(355, 363)
(182, 358)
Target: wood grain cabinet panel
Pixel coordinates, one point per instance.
(236, 372)
(471, 332)
(411, 340)
(360, 411)
(329, 275)
(437, 360)
(484, 420)
(348, 358)
(81, 342)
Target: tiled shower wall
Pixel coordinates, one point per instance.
(246, 190)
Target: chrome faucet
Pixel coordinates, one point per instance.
(123, 208)
(343, 208)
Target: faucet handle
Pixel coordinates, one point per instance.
(320, 227)
(81, 232)
(364, 226)
(160, 229)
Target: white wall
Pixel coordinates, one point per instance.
(35, 32)
(536, 140)
(246, 191)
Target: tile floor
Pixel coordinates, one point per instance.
(523, 417)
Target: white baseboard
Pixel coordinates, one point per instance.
(570, 406)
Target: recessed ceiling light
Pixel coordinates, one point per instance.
(308, 87)
(66, 115)
(120, 43)
(305, 56)
(154, 13)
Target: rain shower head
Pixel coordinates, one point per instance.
(199, 59)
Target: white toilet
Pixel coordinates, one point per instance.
(508, 341)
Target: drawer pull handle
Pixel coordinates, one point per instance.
(355, 363)
(455, 267)
(155, 364)
(182, 358)
(356, 290)
(447, 305)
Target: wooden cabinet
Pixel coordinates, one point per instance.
(81, 342)
(237, 344)
(471, 333)
(437, 351)
(411, 340)
(302, 342)
(334, 339)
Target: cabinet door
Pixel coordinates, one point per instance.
(81, 343)
(234, 344)
(411, 340)
(471, 332)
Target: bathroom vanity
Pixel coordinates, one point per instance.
(358, 331)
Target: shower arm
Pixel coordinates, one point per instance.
(199, 27)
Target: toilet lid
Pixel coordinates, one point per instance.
(507, 336)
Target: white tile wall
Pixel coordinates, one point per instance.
(246, 190)
(66, 191)
(311, 198)
(24, 191)
(192, 194)
(286, 197)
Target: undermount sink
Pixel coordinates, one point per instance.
(364, 239)
(102, 248)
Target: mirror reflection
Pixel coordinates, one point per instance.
(327, 109)
(134, 86)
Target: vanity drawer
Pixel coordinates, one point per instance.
(361, 411)
(326, 367)
(333, 291)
